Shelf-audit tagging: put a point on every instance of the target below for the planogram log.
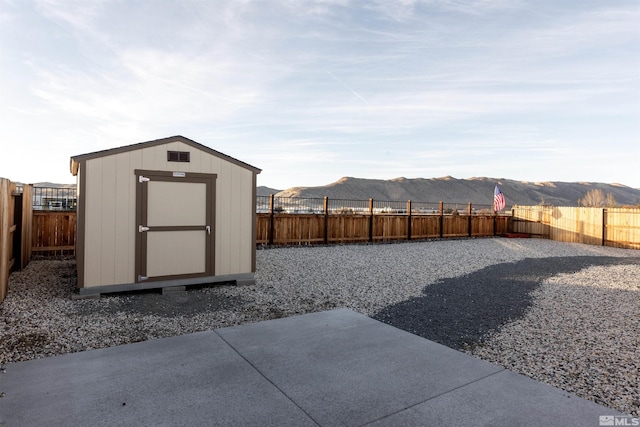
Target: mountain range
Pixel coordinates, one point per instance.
(453, 190)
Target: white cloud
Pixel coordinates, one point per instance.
(330, 88)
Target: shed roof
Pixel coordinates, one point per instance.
(75, 160)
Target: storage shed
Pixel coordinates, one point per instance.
(169, 212)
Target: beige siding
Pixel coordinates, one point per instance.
(246, 224)
(235, 226)
(80, 211)
(108, 223)
(126, 237)
(196, 162)
(93, 223)
(224, 219)
(111, 211)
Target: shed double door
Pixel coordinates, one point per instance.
(175, 225)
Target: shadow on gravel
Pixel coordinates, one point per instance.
(458, 312)
(153, 303)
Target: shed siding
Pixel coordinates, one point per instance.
(126, 215)
(196, 161)
(108, 223)
(80, 214)
(93, 223)
(223, 220)
(246, 222)
(111, 211)
(233, 222)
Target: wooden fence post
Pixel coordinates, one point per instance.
(469, 218)
(27, 224)
(18, 205)
(604, 226)
(5, 224)
(371, 220)
(409, 219)
(326, 219)
(441, 219)
(271, 197)
(510, 221)
(495, 219)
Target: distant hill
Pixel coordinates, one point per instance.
(53, 185)
(50, 185)
(452, 190)
(266, 191)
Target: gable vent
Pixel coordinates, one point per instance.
(178, 156)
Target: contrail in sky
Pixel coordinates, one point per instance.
(194, 89)
(347, 87)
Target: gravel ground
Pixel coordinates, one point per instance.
(594, 347)
(565, 314)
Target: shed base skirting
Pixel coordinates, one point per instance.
(240, 279)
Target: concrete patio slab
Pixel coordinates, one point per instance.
(503, 399)
(355, 375)
(187, 380)
(331, 368)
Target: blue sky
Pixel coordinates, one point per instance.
(311, 91)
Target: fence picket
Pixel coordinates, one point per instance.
(617, 227)
(320, 220)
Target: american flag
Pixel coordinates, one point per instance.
(498, 200)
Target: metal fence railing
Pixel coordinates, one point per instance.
(302, 205)
(54, 199)
(65, 199)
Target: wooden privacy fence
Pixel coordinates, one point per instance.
(54, 233)
(320, 226)
(15, 229)
(617, 227)
(329, 222)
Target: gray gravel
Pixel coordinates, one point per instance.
(565, 314)
(581, 334)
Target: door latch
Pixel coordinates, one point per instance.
(142, 278)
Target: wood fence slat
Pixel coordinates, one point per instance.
(584, 225)
(622, 228)
(53, 233)
(27, 227)
(13, 229)
(5, 224)
(618, 227)
(350, 228)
